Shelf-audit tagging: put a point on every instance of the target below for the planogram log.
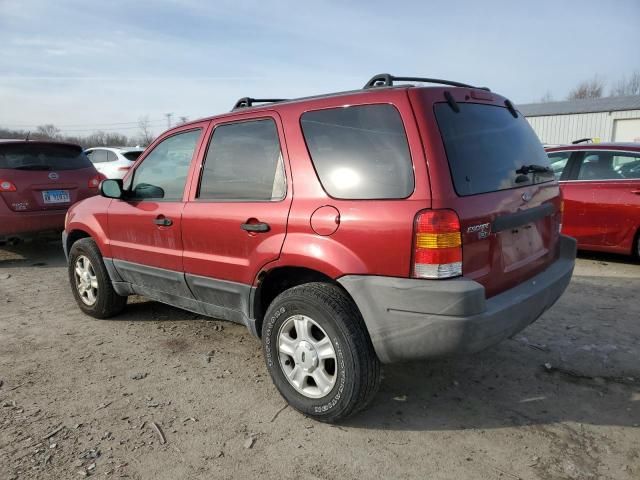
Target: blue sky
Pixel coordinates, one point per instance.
(86, 65)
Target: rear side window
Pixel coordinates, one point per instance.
(485, 146)
(360, 152)
(609, 165)
(244, 163)
(42, 156)
(97, 156)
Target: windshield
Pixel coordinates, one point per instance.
(42, 156)
(487, 149)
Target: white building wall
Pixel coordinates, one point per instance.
(567, 128)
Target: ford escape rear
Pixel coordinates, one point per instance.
(348, 230)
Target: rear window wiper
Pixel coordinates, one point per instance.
(525, 169)
(33, 167)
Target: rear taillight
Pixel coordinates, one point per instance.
(7, 186)
(95, 181)
(437, 251)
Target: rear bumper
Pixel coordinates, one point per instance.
(20, 223)
(412, 319)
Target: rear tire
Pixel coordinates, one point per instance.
(636, 247)
(318, 352)
(90, 282)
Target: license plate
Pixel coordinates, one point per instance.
(56, 196)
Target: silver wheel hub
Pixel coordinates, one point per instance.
(307, 356)
(86, 280)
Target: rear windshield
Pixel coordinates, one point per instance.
(42, 156)
(485, 146)
(132, 155)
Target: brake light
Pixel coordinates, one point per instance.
(437, 251)
(7, 186)
(95, 181)
(123, 169)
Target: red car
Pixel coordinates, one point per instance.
(600, 183)
(38, 183)
(346, 230)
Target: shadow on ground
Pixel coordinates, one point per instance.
(590, 339)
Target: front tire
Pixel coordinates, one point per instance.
(90, 282)
(318, 352)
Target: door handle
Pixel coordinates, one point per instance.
(163, 221)
(637, 192)
(255, 227)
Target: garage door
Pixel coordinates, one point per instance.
(627, 130)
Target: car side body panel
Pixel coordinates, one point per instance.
(90, 217)
(380, 231)
(602, 215)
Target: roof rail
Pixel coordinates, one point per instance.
(386, 80)
(246, 102)
(582, 140)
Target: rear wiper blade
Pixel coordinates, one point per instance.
(533, 169)
(33, 167)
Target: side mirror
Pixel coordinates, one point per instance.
(111, 188)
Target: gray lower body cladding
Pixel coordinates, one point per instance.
(410, 319)
(207, 296)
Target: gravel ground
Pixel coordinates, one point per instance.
(160, 393)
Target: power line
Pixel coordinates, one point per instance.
(84, 124)
(89, 125)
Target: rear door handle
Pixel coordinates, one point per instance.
(163, 221)
(637, 192)
(255, 227)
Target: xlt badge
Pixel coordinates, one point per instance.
(482, 229)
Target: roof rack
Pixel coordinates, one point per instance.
(386, 80)
(246, 102)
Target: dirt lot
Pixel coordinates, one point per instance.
(81, 397)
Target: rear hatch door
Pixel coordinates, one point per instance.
(495, 176)
(45, 176)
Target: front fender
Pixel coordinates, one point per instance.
(90, 217)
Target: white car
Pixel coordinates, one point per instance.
(113, 162)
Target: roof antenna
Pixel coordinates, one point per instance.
(28, 133)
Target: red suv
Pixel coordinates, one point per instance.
(600, 183)
(346, 230)
(38, 183)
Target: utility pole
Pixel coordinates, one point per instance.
(168, 115)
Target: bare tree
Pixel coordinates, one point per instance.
(182, 120)
(630, 86)
(48, 131)
(547, 97)
(146, 135)
(587, 89)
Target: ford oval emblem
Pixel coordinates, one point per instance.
(54, 176)
(526, 196)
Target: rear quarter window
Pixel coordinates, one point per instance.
(485, 145)
(133, 156)
(42, 156)
(360, 152)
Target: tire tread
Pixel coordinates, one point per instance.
(109, 302)
(350, 321)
